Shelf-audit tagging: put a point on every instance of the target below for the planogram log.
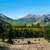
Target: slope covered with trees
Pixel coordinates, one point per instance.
(10, 31)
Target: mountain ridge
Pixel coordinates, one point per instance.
(26, 19)
(35, 18)
(7, 19)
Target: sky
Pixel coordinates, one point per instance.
(16, 9)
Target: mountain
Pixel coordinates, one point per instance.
(45, 18)
(28, 18)
(34, 18)
(7, 19)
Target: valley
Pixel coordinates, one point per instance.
(30, 33)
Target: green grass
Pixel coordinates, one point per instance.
(33, 29)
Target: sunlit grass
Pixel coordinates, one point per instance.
(33, 29)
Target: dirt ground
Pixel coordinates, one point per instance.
(41, 45)
(35, 44)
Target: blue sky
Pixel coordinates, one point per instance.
(19, 8)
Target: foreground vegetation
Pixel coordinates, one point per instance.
(7, 31)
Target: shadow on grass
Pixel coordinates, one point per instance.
(4, 48)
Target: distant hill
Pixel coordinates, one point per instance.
(7, 19)
(35, 18)
(28, 19)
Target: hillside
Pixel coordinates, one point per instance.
(29, 19)
(7, 19)
(35, 18)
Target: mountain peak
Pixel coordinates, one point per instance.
(35, 18)
(28, 16)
